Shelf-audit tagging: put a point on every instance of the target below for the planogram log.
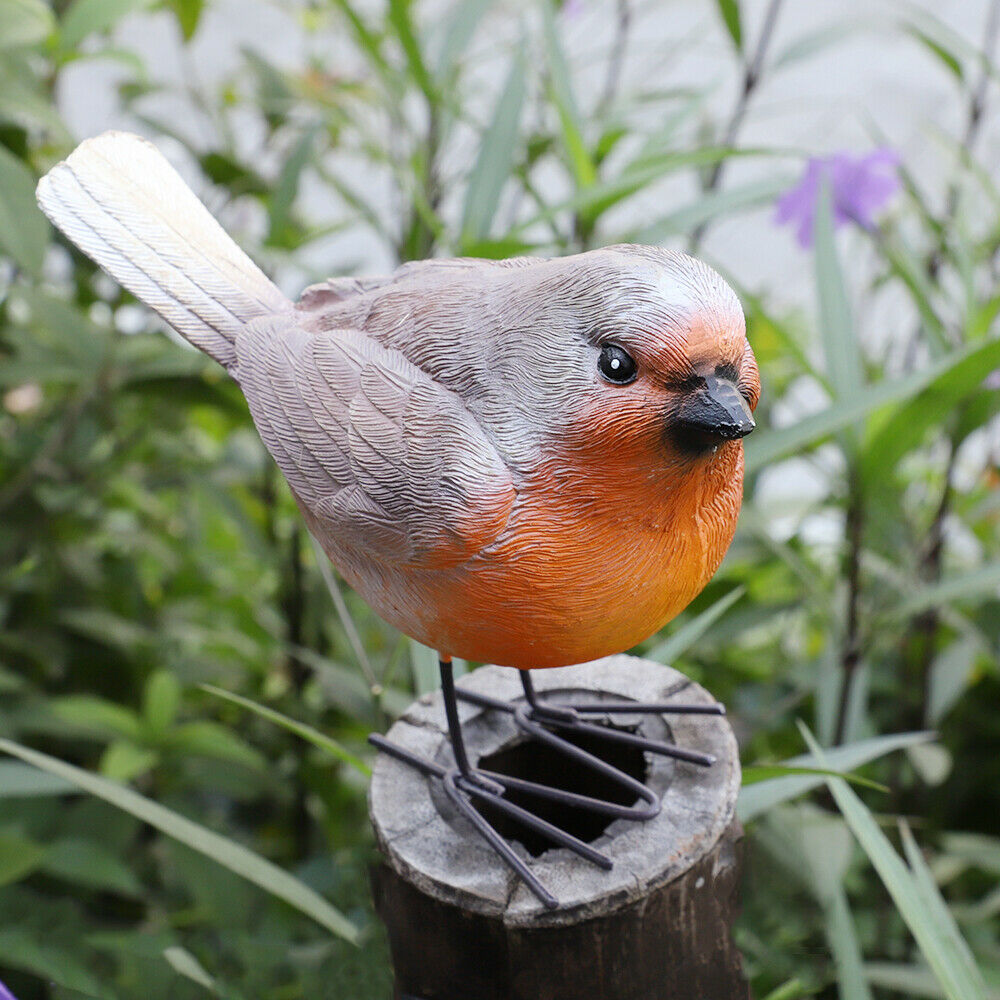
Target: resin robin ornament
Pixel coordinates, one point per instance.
(528, 462)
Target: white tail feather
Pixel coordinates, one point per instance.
(122, 204)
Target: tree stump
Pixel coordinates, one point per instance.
(656, 927)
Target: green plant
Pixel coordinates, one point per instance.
(151, 558)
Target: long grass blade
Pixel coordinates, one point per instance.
(225, 852)
(690, 632)
(308, 733)
(758, 798)
(930, 928)
(496, 157)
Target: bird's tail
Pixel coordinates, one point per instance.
(122, 204)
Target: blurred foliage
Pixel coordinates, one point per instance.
(147, 545)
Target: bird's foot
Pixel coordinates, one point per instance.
(465, 788)
(549, 721)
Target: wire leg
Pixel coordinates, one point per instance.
(463, 783)
(544, 721)
(566, 718)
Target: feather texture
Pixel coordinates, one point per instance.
(446, 429)
(122, 203)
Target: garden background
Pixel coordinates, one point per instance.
(151, 556)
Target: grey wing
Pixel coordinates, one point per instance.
(383, 458)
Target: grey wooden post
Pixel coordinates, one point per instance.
(656, 927)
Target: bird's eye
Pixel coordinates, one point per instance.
(616, 365)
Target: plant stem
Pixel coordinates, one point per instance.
(973, 124)
(925, 625)
(293, 607)
(753, 69)
(616, 57)
(851, 654)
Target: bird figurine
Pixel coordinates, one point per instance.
(530, 462)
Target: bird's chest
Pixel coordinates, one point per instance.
(637, 546)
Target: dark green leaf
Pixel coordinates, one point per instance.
(918, 904)
(19, 857)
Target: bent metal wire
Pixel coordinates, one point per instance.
(464, 783)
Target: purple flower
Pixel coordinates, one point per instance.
(859, 187)
(5, 994)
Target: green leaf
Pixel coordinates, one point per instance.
(424, 663)
(756, 799)
(186, 965)
(496, 156)
(840, 932)
(20, 950)
(910, 981)
(948, 933)
(980, 583)
(950, 676)
(19, 857)
(817, 846)
(23, 103)
(188, 14)
(95, 717)
(928, 409)
(765, 772)
(931, 924)
(124, 760)
(463, 20)
(18, 781)
(947, 58)
(24, 231)
(767, 446)
(690, 632)
(813, 41)
(287, 188)
(209, 739)
(225, 852)
(401, 21)
(793, 989)
(584, 171)
(730, 11)
(602, 195)
(161, 700)
(308, 733)
(368, 42)
(840, 342)
(24, 22)
(710, 206)
(88, 863)
(84, 17)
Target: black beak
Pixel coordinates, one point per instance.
(717, 410)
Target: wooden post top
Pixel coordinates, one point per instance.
(433, 848)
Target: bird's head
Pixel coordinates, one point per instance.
(634, 357)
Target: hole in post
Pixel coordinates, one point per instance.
(538, 762)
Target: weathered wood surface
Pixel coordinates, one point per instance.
(656, 927)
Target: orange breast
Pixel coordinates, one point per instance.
(588, 567)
